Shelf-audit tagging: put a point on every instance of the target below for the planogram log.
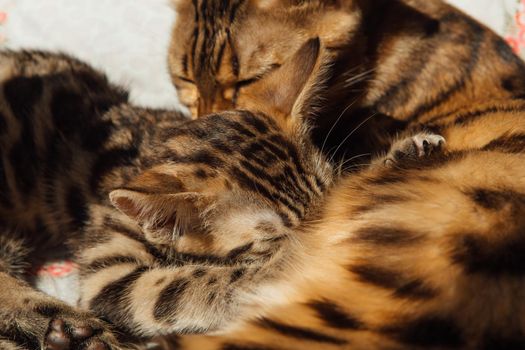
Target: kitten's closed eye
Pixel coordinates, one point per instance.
(187, 80)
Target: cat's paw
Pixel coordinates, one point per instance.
(65, 333)
(421, 145)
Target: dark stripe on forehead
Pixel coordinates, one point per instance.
(220, 54)
(195, 38)
(249, 184)
(257, 123)
(292, 152)
(234, 10)
(185, 64)
(201, 157)
(234, 58)
(257, 151)
(208, 37)
(278, 184)
(221, 120)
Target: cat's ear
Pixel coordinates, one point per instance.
(163, 217)
(284, 91)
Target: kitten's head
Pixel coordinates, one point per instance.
(220, 48)
(238, 174)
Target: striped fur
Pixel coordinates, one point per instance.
(391, 62)
(424, 254)
(177, 225)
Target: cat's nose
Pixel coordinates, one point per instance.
(222, 104)
(216, 105)
(204, 107)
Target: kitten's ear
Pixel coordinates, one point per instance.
(163, 217)
(284, 91)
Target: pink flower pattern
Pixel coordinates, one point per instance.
(57, 269)
(516, 33)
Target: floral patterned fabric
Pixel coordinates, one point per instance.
(505, 17)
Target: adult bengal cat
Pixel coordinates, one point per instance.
(393, 63)
(421, 255)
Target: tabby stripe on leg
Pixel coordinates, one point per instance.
(400, 285)
(102, 263)
(300, 332)
(428, 331)
(168, 299)
(111, 301)
(387, 236)
(507, 144)
(477, 254)
(333, 316)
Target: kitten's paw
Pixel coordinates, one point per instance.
(421, 145)
(83, 334)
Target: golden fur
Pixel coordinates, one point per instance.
(389, 63)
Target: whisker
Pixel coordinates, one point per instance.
(349, 135)
(341, 166)
(358, 78)
(337, 121)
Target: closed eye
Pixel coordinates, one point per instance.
(185, 79)
(246, 82)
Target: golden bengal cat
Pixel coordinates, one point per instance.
(391, 63)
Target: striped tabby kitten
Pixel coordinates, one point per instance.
(177, 225)
(393, 62)
(425, 254)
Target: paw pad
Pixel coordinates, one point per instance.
(62, 336)
(427, 143)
